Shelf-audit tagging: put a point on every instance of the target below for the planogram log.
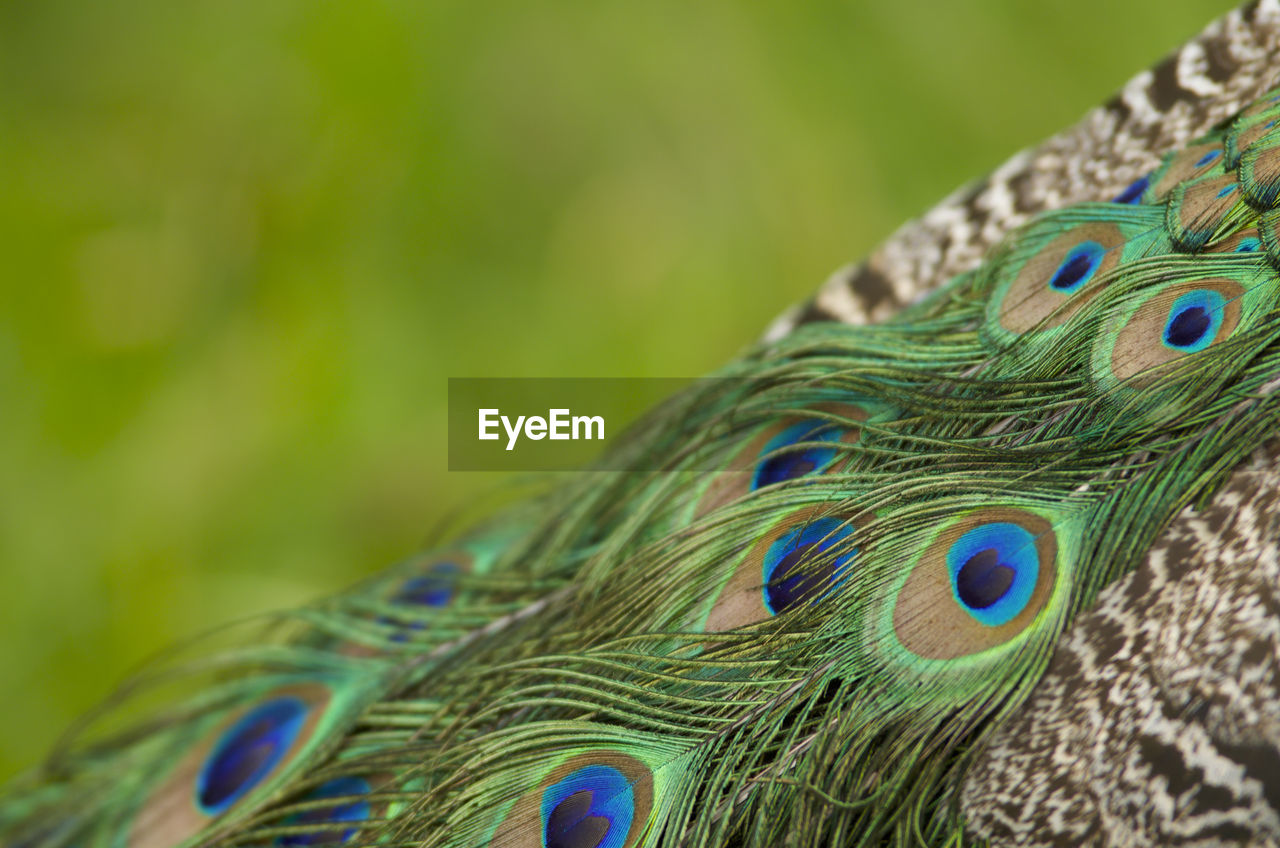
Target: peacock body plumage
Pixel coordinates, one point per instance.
(998, 567)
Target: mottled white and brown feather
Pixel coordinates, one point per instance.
(1158, 722)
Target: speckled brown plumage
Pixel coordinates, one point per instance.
(1158, 722)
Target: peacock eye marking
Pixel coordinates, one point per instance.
(1078, 267)
(600, 799)
(1042, 284)
(994, 568)
(797, 446)
(983, 580)
(351, 808)
(1208, 158)
(778, 464)
(1189, 163)
(1175, 321)
(572, 825)
(980, 582)
(1133, 193)
(804, 558)
(1187, 327)
(591, 807)
(248, 751)
(1193, 321)
(430, 590)
(804, 565)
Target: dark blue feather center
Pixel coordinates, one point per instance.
(779, 463)
(994, 568)
(983, 580)
(572, 824)
(1133, 194)
(431, 590)
(247, 753)
(592, 807)
(352, 808)
(793, 582)
(1187, 327)
(1078, 267)
(1194, 320)
(807, 563)
(1208, 158)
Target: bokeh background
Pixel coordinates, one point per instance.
(245, 244)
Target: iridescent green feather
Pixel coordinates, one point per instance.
(853, 558)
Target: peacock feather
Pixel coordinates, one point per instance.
(871, 590)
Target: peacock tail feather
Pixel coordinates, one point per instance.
(814, 621)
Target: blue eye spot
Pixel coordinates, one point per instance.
(430, 590)
(353, 808)
(1187, 327)
(247, 753)
(1268, 125)
(591, 807)
(434, 589)
(994, 568)
(798, 568)
(1248, 245)
(1133, 194)
(780, 464)
(1194, 320)
(1078, 267)
(1227, 190)
(1207, 158)
(983, 580)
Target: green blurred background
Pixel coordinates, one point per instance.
(245, 244)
